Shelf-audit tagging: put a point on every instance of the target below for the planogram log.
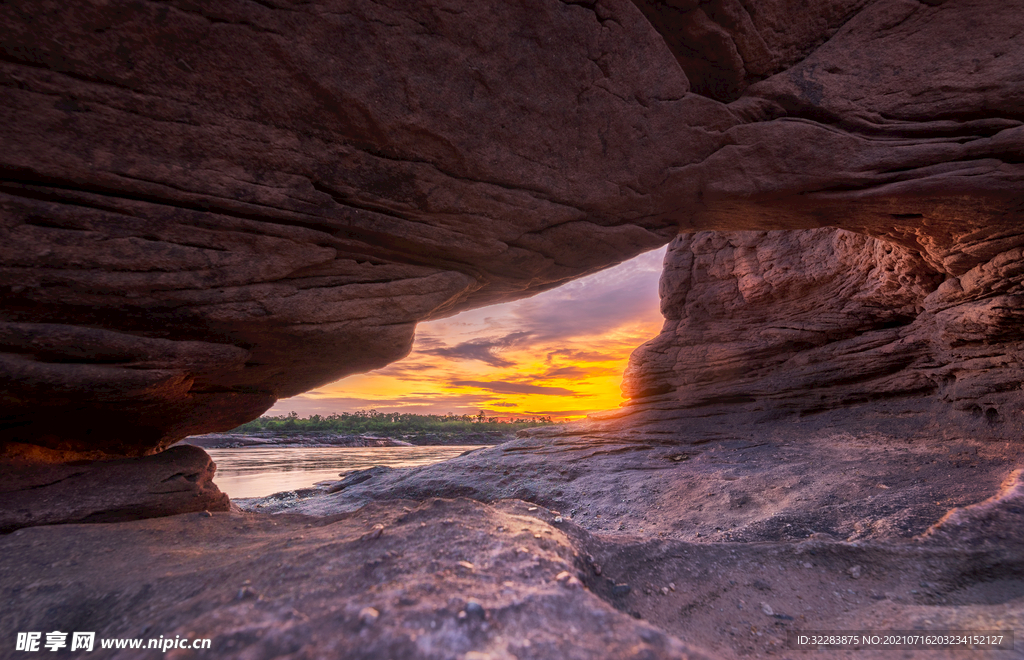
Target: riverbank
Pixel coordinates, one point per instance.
(327, 439)
(249, 472)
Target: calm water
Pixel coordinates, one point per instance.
(259, 471)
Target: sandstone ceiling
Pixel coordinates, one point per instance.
(206, 207)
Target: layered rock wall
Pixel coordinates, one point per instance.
(773, 323)
(203, 209)
(206, 207)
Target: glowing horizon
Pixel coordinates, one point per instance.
(560, 353)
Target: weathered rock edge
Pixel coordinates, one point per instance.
(179, 480)
(763, 327)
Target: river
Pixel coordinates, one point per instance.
(260, 471)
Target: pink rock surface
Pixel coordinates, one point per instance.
(179, 480)
(206, 208)
(772, 323)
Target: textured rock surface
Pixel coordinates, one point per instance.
(203, 212)
(203, 209)
(178, 480)
(805, 322)
(207, 206)
(299, 587)
(725, 45)
(760, 483)
(829, 529)
(397, 580)
(996, 522)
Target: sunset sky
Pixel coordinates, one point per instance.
(560, 353)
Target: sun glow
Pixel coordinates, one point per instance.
(560, 353)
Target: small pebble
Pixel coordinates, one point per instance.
(368, 616)
(855, 572)
(245, 593)
(474, 608)
(664, 591)
(567, 579)
(558, 519)
(767, 609)
(620, 589)
(374, 533)
(465, 564)
(672, 586)
(808, 564)
(532, 508)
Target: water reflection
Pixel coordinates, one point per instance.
(258, 472)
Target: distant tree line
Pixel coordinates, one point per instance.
(393, 423)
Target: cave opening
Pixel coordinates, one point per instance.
(558, 354)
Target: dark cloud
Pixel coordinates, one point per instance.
(407, 370)
(581, 356)
(505, 405)
(428, 341)
(514, 388)
(428, 403)
(482, 349)
(573, 372)
(560, 413)
(565, 319)
(594, 305)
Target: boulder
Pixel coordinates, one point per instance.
(179, 480)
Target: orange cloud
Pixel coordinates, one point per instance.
(560, 353)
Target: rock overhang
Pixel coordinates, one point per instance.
(206, 210)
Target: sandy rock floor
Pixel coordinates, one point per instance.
(566, 547)
(727, 489)
(432, 579)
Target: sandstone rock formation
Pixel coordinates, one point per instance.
(725, 45)
(205, 208)
(770, 323)
(441, 579)
(208, 206)
(399, 580)
(178, 480)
